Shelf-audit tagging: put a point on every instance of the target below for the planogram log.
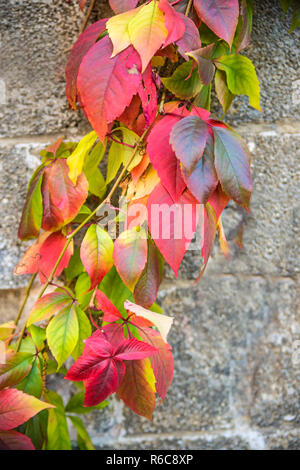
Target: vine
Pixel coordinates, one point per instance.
(144, 80)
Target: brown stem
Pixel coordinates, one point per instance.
(87, 16)
(28, 289)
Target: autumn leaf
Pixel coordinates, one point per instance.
(190, 40)
(221, 16)
(49, 305)
(147, 31)
(75, 161)
(185, 82)
(232, 163)
(172, 226)
(84, 42)
(42, 256)
(14, 440)
(203, 58)
(188, 139)
(61, 198)
(130, 255)
(31, 220)
(101, 365)
(15, 369)
(17, 407)
(163, 157)
(112, 77)
(173, 23)
(119, 6)
(117, 27)
(96, 253)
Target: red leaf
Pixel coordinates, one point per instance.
(131, 112)
(17, 407)
(172, 226)
(101, 365)
(218, 200)
(111, 313)
(42, 256)
(120, 6)
(13, 440)
(188, 139)
(173, 22)
(148, 95)
(80, 48)
(61, 198)
(208, 234)
(164, 159)
(221, 16)
(133, 349)
(191, 38)
(106, 85)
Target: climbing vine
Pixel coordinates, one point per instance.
(156, 170)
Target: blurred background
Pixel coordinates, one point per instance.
(236, 335)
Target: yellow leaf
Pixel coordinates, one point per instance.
(149, 374)
(117, 28)
(76, 160)
(147, 31)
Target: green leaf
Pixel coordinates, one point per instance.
(75, 266)
(75, 405)
(232, 163)
(203, 98)
(224, 95)
(184, 83)
(241, 77)
(115, 160)
(36, 429)
(63, 333)
(83, 438)
(82, 214)
(32, 214)
(85, 330)
(82, 288)
(286, 4)
(38, 335)
(76, 160)
(32, 384)
(57, 430)
(17, 366)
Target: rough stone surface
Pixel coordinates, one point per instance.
(236, 337)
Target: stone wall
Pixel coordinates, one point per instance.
(236, 333)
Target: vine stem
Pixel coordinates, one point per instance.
(87, 16)
(189, 5)
(28, 289)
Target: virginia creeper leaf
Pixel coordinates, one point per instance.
(241, 77)
(15, 369)
(85, 330)
(137, 389)
(96, 253)
(110, 77)
(208, 234)
(61, 198)
(117, 27)
(32, 214)
(191, 38)
(49, 305)
(245, 25)
(119, 6)
(188, 139)
(58, 437)
(185, 82)
(63, 333)
(85, 41)
(206, 67)
(173, 22)
(13, 440)
(223, 93)
(76, 160)
(83, 438)
(17, 407)
(146, 289)
(221, 16)
(203, 180)
(147, 31)
(163, 158)
(32, 383)
(232, 163)
(130, 255)
(172, 226)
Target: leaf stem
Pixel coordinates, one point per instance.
(189, 5)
